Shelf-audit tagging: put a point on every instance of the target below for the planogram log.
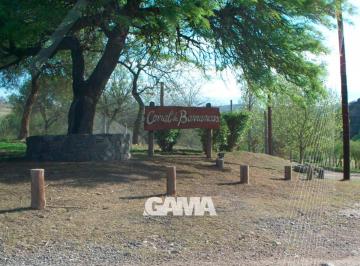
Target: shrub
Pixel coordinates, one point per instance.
(355, 152)
(166, 139)
(219, 139)
(237, 123)
(220, 136)
(227, 137)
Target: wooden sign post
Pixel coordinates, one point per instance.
(208, 138)
(177, 117)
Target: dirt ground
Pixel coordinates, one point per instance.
(95, 215)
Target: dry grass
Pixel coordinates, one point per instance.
(103, 203)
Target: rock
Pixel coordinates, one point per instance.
(278, 243)
(79, 147)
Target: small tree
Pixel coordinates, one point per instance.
(166, 139)
(237, 123)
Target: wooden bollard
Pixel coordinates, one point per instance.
(288, 172)
(244, 174)
(38, 201)
(309, 174)
(321, 173)
(220, 163)
(171, 181)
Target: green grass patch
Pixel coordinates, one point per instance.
(12, 149)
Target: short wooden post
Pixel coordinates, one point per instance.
(171, 181)
(38, 201)
(309, 174)
(244, 174)
(288, 172)
(220, 163)
(151, 138)
(208, 139)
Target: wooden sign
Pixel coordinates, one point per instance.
(167, 117)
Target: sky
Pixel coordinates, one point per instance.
(223, 89)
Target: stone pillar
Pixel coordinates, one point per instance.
(38, 201)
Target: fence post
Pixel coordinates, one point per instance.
(309, 174)
(288, 172)
(220, 163)
(151, 138)
(209, 134)
(171, 181)
(244, 174)
(38, 201)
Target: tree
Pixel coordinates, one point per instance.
(146, 72)
(115, 102)
(305, 128)
(30, 101)
(50, 107)
(260, 37)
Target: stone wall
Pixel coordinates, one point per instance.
(75, 148)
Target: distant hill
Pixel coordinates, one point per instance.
(226, 108)
(354, 113)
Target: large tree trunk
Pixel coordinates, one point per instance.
(25, 120)
(81, 115)
(139, 118)
(344, 97)
(87, 92)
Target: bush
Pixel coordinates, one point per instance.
(355, 152)
(237, 123)
(166, 139)
(227, 137)
(219, 139)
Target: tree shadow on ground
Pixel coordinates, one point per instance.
(84, 173)
(14, 210)
(143, 196)
(278, 179)
(229, 183)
